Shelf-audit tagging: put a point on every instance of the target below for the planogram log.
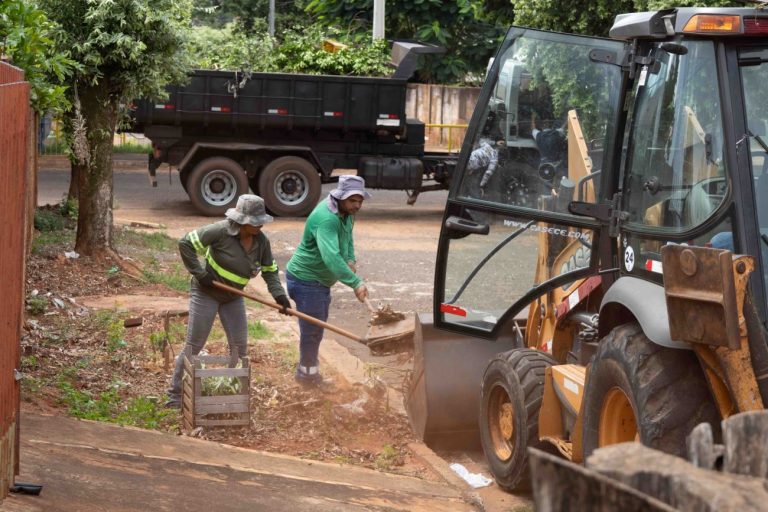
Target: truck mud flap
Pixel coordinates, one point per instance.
(443, 393)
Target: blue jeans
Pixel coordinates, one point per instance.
(313, 299)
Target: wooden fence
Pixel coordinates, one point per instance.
(446, 110)
(14, 166)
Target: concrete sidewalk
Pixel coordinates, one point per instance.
(89, 466)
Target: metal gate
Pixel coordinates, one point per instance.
(14, 129)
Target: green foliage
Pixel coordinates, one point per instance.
(154, 242)
(175, 277)
(469, 35)
(258, 330)
(592, 17)
(52, 241)
(36, 304)
(387, 458)
(29, 39)
(250, 16)
(48, 220)
(108, 406)
(298, 51)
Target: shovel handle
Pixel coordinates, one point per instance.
(291, 311)
(370, 306)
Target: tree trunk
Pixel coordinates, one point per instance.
(94, 221)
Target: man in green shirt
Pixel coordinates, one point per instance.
(325, 255)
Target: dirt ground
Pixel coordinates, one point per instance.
(81, 361)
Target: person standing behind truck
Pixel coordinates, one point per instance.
(235, 249)
(325, 255)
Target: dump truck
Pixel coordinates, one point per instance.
(616, 292)
(282, 135)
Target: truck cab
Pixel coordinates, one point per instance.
(554, 276)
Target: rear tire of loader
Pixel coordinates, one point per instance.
(513, 386)
(639, 391)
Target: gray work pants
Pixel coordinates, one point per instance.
(202, 313)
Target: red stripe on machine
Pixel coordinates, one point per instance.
(578, 295)
(333, 114)
(278, 111)
(452, 310)
(653, 266)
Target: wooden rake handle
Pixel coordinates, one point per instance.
(291, 311)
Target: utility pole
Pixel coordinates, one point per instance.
(378, 19)
(271, 18)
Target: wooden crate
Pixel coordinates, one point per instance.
(218, 410)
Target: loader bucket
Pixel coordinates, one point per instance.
(443, 395)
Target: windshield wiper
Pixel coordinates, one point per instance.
(759, 140)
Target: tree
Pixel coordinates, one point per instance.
(27, 37)
(461, 26)
(125, 49)
(592, 17)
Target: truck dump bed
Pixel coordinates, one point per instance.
(236, 102)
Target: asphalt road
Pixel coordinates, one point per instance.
(395, 243)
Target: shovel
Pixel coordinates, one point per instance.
(293, 312)
(389, 331)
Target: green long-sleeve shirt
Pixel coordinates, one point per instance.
(326, 248)
(227, 260)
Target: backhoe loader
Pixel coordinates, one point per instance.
(615, 290)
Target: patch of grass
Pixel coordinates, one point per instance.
(28, 362)
(36, 304)
(31, 386)
(175, 277)
(45, 241)
(48, 220)
(110, 321)
(386, 459)
(158, 242)
(258, 330)
(131, 147)
(108, 406)
(288, 355)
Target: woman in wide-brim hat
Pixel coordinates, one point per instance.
(234, 250)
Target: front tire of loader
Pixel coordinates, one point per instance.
(513, 386)
(639, 391)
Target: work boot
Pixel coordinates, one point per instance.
(173, 402)
(308, 376)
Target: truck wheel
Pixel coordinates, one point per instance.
(290, 186)
(639, 391)
(215, 184)
(513, 386)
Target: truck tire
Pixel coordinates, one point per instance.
(215, 184)
(513, 386)
(637, 390)
(290, 186)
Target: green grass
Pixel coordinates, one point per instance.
(156, 242)
(386, 458)
(108, 406)
(288, 355)
(258, 330)
(175, 276)
(131, 147)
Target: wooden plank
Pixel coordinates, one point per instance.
(221, 423)
(227, 408)
(222, 372)
(677, 482)
(222, 399)
(562, 486)
(745, 436)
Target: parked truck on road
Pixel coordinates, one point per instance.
(282, 135)
(619, 295)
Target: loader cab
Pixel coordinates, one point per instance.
(663, 130)
(695, 169)
(540, 137)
